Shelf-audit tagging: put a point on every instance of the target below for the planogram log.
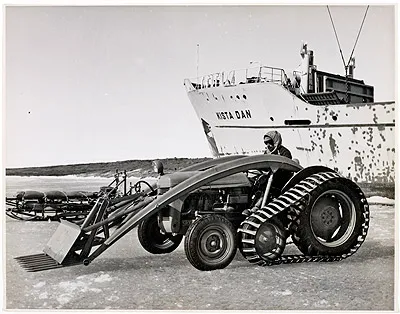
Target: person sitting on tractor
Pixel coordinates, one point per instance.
(273, 145)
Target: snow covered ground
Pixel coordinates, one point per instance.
(380, 200)
(126, 277)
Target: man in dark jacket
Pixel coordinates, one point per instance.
(273, 145)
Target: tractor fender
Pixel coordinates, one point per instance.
(304, 173)
(264, 161)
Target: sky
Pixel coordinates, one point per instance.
(105, 83)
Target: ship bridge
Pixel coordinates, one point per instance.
(311, 85)
(261, 74)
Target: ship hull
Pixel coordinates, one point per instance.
(358, 140)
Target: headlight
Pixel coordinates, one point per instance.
(158, 167)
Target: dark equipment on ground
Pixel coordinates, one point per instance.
(325, 214)
(56, 205)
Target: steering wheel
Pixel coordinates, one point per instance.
(138, 187)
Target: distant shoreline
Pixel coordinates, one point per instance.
(137, 168)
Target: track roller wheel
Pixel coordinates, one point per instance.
(211, 242)
(261, 242)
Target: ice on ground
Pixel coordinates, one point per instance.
(96, 290)
(44, 295)
(71, 286)
(103, 278)
(64, 299)
(380, 200)
(112, 298)
(282, 293)
(39, 284)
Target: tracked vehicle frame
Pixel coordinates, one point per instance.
(326, 215)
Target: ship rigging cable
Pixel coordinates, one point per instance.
(362, 24)
(346, 66)
(337, 39)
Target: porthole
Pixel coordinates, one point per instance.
(271, 118)
(244, 97)
(237, 96)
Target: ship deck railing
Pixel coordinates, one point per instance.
(259, 74)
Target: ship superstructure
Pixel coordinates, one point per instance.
(324, 118)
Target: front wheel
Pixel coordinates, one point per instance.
(153, 241)
(211, 242)
(334, 221)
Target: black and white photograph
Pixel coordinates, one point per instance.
(209, 157)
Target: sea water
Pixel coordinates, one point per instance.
(69, 183)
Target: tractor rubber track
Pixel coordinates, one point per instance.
(288, 201)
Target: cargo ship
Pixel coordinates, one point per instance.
(324, 118)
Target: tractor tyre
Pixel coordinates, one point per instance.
(153, 241)
(332, 221)
(211, 242)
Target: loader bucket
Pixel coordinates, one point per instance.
(41, 261)
(62, 241)
(57, 252)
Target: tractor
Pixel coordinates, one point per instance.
(250, 203)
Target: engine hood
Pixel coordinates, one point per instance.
(172, 179)
(236, 180)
